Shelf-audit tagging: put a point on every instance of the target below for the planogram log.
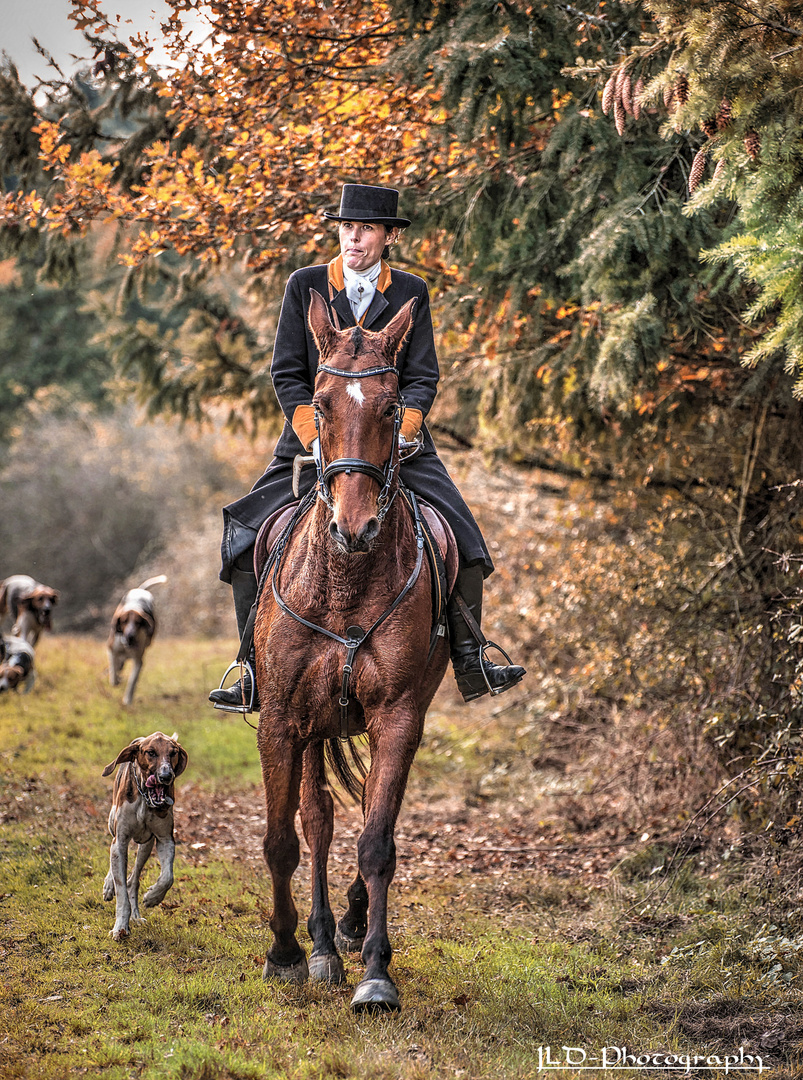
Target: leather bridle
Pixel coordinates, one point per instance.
(384, 477)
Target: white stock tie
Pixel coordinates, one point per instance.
(360, 288)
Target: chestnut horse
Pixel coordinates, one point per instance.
(344, 645)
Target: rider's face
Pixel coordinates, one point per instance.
(362, 243)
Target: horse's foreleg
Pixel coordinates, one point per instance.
(317, 816)
(392, 754)
(281, 775)
(352, 927)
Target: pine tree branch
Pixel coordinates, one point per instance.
(786, 52)
(762, 21)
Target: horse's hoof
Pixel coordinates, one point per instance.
(327, 968)
(376, 995)
(346, 943)
(294, 973)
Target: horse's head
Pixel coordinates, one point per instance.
(358, 410)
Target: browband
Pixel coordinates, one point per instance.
(358, 374)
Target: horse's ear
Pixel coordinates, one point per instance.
(399, 327)
(319, 322)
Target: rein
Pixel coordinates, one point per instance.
(356, 635)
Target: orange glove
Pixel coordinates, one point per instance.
(304, 425)
(411, 424)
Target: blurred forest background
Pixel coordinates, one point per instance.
(607, 207)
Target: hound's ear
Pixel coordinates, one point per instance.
(399, 327)
(183, 758)
(128, 753)
(320, 324)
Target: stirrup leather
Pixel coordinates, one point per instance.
(244, 667)
(484, 643)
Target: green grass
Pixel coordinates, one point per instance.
(484, 983)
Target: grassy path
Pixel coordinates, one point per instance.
(521, 928)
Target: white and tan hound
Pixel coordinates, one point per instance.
(142, 812)
(30, 604)
(16, 664)
(132, 630)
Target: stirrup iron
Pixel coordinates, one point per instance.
(488, 644)
(244, 667)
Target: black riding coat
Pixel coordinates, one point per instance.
(293, 369)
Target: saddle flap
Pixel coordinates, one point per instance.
(444, 537)
(270, 531)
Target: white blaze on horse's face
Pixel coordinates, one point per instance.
(354, 390)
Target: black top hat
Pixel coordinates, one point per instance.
(359, 202)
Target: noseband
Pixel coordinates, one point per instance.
(384, 477)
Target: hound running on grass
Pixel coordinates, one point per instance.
(142, 811)
(132, 630)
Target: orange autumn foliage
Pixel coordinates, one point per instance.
(265, 112)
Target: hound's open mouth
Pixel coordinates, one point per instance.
(156, 793)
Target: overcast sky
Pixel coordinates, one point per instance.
(47, 21)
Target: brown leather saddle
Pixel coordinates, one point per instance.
(437, 535)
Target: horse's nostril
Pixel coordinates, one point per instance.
(354, 541)
(371, 530)
(341, 538)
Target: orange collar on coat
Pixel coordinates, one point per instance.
(336, 280)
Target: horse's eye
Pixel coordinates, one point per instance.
(390, 412)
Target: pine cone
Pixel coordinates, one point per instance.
(669, 99)
(619, 116)
(638, 90)
(682, 90)
(720, 169)
(724, 114)
(697, 169)
(607, 94)
(752, 145)
(709, 126)
(627, 95)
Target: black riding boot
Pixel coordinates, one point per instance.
(238, 695)
(475, 675)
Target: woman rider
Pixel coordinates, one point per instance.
(362, 288)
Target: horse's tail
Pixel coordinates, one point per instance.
(341, 767)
